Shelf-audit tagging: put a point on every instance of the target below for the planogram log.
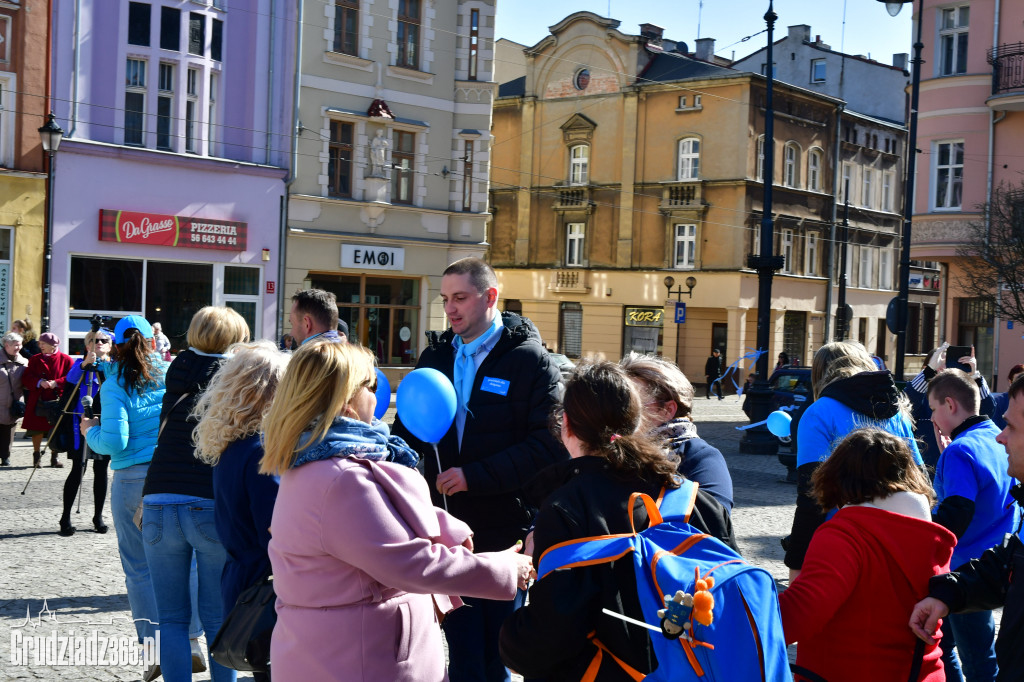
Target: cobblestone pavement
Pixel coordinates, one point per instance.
(79, 579)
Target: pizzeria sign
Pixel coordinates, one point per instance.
(133, 227)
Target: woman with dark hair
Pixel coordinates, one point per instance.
(44, 379)
(130, 398)
(602, 426)
(783, 360)
(868, 565)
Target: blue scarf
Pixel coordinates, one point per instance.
(465, 366)
(354, 438)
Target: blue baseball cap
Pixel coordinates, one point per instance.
(132, 322)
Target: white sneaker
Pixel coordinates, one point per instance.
(198, 660)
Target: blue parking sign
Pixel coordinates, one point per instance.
(680, 312)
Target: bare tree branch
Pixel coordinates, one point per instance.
(992, 253)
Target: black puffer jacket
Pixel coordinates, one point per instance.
(991, 581)
(506, 439)
(549, 638)
(174, 468)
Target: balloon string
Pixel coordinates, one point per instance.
(732, 370)
(437, 458)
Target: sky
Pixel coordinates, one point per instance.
(869, 30)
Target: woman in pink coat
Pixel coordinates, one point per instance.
(363, 564)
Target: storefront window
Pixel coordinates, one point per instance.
(642, 330)
(241, 281)
(382, 313)
(248, 311)
(105, 284)
(174, 293)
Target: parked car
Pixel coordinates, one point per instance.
(791, 389)
(564, 364)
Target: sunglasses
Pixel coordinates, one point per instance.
(99, 341)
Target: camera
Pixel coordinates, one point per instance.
(98, 321)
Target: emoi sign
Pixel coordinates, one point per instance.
(131, 227)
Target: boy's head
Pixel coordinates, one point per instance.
(953, 397)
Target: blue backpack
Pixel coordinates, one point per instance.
(743, 638)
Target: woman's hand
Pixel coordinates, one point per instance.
(524, 566)
(88, 424)
(90, 358)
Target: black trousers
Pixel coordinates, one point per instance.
(74, 480)
(718, 386)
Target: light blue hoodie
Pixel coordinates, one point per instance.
(130, 420)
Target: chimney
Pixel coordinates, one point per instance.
(901, 61)
(800, 33)
(705, 49)
(651, 31)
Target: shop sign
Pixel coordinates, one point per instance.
(132, 227)
(372, 257)
(644, 317)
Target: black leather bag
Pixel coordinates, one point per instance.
(17, 408)
(243, 642)
(48, 410)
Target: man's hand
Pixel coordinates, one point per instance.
(941, 440)
(88, 424)
(938, 361)
(971, 362)
(925, 618)
(451, 481)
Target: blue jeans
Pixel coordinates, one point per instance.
(975, 635)
(472, 633)
(173, 534)
(125, 495)
(950, 661)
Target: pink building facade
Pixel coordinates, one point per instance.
(970, 137)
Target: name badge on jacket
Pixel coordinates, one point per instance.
(493, 385)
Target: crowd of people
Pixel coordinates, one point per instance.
(235, 460)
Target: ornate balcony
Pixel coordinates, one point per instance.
(573, 199)
(569, 281)
(681, 194)
(1007, 77)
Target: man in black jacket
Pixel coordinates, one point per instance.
(993, 579)
(713, 370)
(506, 388)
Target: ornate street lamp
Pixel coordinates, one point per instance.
(50, 134)
(894, 7)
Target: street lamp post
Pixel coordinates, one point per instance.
(894, 7)
(50, 134)
(758, 440)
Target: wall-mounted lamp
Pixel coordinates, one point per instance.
(691, 282)
(266, 255)
(445, 172)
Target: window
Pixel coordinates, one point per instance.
(474, 43)
(408, 33)
(759, 173)
(138, 23)
(164, 106)
(346, 26)
(814, 170)
(570, 329)
(216, 40)
(844, 187)
(885, 268)
(689, 159)
(339, 163)
(811, 254)
(867, 259)
(775, 69)
(953, 40)
(756, 247)
(467, 176)
(196, 34)
(574, 236)
(685, 246)
(402, 162)
(868, 198)
(190, 111)
(791, 169)
(135, 102)
(817, 70)
(887, 191)
(949, 171)
(211, 118)
(170, 28)
(787, 251)
(579, 161)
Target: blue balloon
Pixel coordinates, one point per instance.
(383, 395)
(779, 423)
(426, 404)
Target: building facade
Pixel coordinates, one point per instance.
(971, 124)
(24, 102)
(392, 157)
(170, 183)
(620, 161)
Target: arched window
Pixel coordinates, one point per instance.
(814, 170)
(791, 165)
(688, 167)
(579, 163)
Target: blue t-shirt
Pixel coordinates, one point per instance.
(827, 421)
(973, 466)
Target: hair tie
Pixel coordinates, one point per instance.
(614, 438)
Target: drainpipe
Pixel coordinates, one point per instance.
(270, 82)
(836, 167)
(283, 239)
(992, 120)
(76, 62)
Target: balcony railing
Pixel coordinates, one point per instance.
(568, 281)
(1007, 67)
(681, 194)
(573, 198)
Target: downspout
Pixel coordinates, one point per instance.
(992, 120)
(282, 248)
(836, 166)
(74, 69)
(270, 83)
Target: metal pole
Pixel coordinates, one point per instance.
(44, 323)
(842, 319)
(908, 201)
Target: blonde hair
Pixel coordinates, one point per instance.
(838, 360)
(26, 326)
(237, 398)
(214, 328)
(322, 378)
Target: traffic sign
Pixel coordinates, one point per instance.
(680, 312)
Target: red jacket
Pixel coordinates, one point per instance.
(850, 606)
(41, 367)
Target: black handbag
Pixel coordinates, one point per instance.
(243, 642)
(48, 410)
